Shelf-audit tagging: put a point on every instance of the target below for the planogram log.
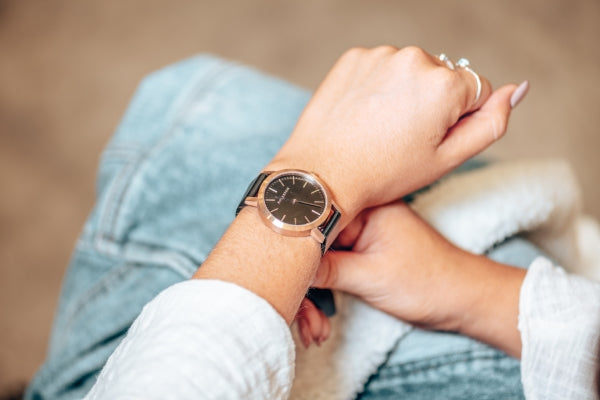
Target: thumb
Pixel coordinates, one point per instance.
(478, 130)
(342, 270)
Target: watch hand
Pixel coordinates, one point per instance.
(309, 204)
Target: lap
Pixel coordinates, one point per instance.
(169, 180)
(429, 365)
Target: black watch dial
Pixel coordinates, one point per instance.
(295, 199)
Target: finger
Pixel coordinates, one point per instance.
(326, 330)
(343, 270)
(478, 88)
(302, 322)
(477, 131)
(350, 234)
(303, 331)
(471, 89)
(443, 60)
(315, 321)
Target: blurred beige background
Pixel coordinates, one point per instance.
(69, 67)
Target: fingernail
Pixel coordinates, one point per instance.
(519, 93)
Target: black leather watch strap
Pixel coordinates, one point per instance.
(328, 226)
(252, 190)
(321, 298)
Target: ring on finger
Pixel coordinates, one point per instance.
(444, 58)
(465, 64)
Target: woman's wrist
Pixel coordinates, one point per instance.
(345, 193)
(277, 268)
(490, 306)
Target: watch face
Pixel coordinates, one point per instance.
(295, 199)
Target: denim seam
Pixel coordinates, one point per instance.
(96, 290)
(119, 193)
(441, 361)
(101, 286)
(176, 260)
(105, 241)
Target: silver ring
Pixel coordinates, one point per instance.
(464, 63)
(443, 57)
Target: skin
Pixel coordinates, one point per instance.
(402, 266)
(380, 114)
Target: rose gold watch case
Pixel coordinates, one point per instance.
(309, 229)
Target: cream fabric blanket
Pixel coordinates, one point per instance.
(475, 210)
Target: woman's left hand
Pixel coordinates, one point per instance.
(388, 121)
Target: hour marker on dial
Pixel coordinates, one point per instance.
(289, 203)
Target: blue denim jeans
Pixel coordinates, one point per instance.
(168, 184)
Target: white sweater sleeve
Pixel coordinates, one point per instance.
(559, 320)
(201, 339)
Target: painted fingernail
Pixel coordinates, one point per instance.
(519, 93)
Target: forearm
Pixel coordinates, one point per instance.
(277, 268)
(490, 309)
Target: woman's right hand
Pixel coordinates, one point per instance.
(401, 265)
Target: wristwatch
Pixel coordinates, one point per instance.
(293, 203)
(296, 203)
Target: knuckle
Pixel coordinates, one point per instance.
(384, 49)
(447, 80)
(499, 123)
(354, 53)
(413, 53)
(451, 87)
